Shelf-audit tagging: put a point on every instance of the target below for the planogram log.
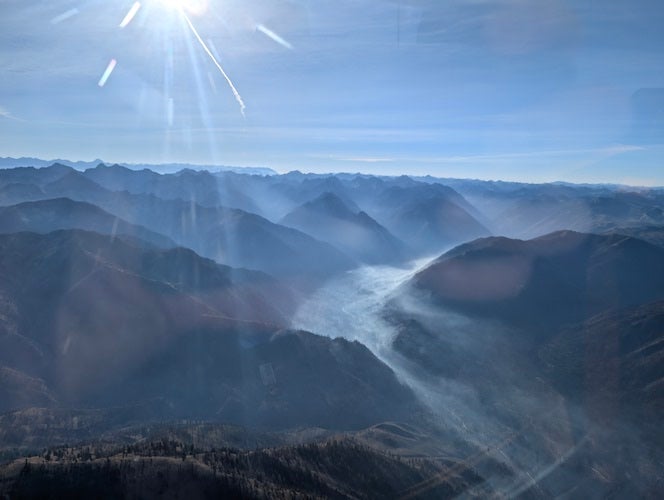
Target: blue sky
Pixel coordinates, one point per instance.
(497, 89)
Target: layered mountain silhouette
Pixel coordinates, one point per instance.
(199, 186)
(329, 219)
(230, 236)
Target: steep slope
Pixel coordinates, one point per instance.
(553, 341)
(329, 219)
(544, 283)
(74, 301)
(62, 213)
(427, 217)
(100, 322)
(612, 363)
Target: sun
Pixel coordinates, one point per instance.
(194, 7)
(183, 8)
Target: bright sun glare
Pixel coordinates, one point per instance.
(184, 8)
(195, 7)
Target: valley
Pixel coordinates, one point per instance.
(387, 314)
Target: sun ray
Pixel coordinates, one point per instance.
(236, 94)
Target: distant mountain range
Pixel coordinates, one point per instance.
(7, 162)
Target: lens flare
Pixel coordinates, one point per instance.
(130, 15)
(184, 8)
(107, 73)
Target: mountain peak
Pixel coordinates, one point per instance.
(330, 204)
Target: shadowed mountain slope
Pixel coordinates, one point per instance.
(100, 322)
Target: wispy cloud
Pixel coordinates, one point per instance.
(5, 113)
(607, 151)
(367, 160)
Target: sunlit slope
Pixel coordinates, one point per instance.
(544, 283)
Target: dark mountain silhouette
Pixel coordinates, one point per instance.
(333, 468)
(544, 283)
(329, 219)
(62, 213)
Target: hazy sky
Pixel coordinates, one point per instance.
(503, 89)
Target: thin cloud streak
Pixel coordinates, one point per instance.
(367, 160)
(609, 150)
(5, 113)
(64, 16)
